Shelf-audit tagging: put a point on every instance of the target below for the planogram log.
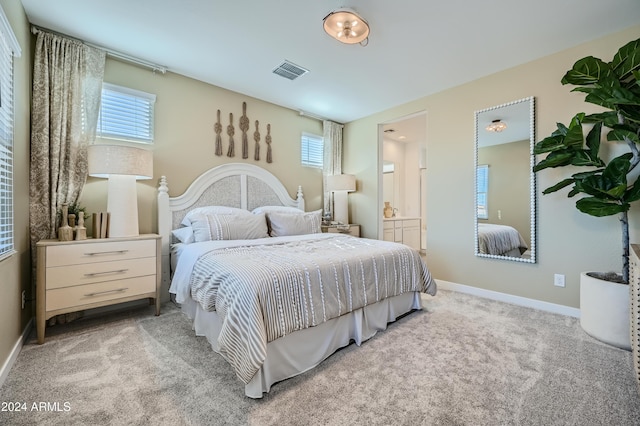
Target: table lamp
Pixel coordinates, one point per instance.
(122, 165)
(340, 185)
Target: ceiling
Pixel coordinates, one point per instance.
(416, 47)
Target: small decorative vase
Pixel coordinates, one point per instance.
(81, 230)
(388, 210)
(65, 232)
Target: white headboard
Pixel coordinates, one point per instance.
(240, 185)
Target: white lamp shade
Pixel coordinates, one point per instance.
(105, 160)
(122, 165)
(341, 183)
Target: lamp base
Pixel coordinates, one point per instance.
(122, 204)
(341, 207)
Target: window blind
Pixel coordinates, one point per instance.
(482, 186)
(6, 148)
(126, 114)
(312, 150)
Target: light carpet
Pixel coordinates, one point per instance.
(463, 360)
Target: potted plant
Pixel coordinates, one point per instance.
(607, 186)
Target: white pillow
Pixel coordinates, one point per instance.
(198, 211)
(277, 209)
(184, 234)
(283, 224)
(229, 227)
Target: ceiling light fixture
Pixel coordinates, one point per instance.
(496, 126)
(346, 26)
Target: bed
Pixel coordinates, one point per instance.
(275, 300)
(500, 240)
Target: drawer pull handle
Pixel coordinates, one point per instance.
(93, 274)
(99, 293)
(98, 253)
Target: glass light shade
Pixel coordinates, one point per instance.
(496, 126)
(346, 26)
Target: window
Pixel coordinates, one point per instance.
(312, 150)
(482, 187)
(126, 114)
(8, 49)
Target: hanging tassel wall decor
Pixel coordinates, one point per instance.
(256, 137)
(244, 126)
(230, 131)
(218, 129)
(267, 139)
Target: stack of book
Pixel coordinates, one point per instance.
(100, 225)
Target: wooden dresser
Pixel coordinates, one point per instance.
(77, 275)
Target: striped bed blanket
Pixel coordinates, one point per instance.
(265, 291)
(499, 239)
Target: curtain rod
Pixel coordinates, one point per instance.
(314, 116)
(110, 52)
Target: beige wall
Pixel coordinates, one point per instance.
(568, 241)
(184, 145)
(15, 271)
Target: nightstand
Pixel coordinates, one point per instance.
(351, 229)
(86, 274)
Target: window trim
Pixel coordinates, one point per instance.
(137, 96)
(10, 42)
(305, 138)
(485, 190)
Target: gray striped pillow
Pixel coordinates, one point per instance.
(229, 227)
(284, 224)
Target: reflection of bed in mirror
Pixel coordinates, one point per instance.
(500, 240)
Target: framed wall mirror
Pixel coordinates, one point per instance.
(505, 213)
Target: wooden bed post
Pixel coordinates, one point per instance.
(164, 229)
(300, 198)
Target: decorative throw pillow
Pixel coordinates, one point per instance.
(184, 234)
(199, 211)
(229, 227)
(277, 209)
(284, 224)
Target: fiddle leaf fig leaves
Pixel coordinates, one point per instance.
(614, 86)
(586, 71)
(627, 60)
(597, 207)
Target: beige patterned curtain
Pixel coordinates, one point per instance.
(67, 85)
(332, 161)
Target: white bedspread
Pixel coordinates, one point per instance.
(268, 288)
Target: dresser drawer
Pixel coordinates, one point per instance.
(410, 223)
(67, 297)
(73, 254)
(87, 273)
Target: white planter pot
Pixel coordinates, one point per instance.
(604, 311)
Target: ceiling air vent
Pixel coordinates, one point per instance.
(289, 70)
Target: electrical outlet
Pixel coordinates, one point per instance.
(24, 298)
(558, 280)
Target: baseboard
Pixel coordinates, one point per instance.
(509, 298)
(13, 355)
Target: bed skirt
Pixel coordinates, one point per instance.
(301, 351)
